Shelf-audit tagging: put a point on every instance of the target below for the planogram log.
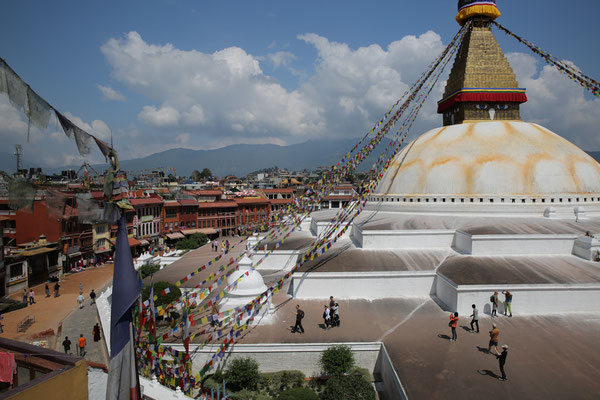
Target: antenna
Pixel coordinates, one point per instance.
(18, 153)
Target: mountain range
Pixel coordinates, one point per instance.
(238, 159)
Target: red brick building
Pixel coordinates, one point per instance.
(221, 216)
(252, 210)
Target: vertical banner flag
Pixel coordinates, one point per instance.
(122, 374)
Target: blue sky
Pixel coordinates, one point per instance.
(202, 74)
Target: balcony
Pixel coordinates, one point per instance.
(9, 231)
(8, 212)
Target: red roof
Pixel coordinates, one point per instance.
(145, 200)
(134, 242)
(251, 200)
(188, 202)
(208, 192)
(171, 203)
(218, 204)
(283, 190)
(281, 201)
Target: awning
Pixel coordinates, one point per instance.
(144, 243)
(175, 236)
(206, 231)
(102, 250)
(34, 252)
(76, 254)
(134, 242)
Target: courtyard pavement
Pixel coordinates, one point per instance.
(61, 313)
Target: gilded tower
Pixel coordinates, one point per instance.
(482, 85)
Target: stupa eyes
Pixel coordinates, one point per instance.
(501, 107)
(482, 106)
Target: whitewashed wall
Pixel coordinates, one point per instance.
(280, 260)
(362, 285)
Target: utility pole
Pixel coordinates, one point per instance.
(18, 153)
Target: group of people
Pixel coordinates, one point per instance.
(496, 303)
(81, 342)
(494, 332)
(331, 316)
(28, 296)
(224, 245)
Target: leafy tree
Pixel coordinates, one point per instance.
(299, 393)
(196, 175)
(343, 387)
(149, 269)
(337, 360)
(205, 174)
(173, 295)
(242, 373)
(193, 242)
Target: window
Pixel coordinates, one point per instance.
(101, 243)
(16, 270)
(100, 229)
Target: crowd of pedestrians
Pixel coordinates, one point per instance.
(494, 332)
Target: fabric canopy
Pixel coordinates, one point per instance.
(483, 95)
(174, 236)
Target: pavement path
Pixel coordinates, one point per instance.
(50, 312)
(82, 321)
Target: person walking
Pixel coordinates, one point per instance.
(25, 296)
(227, 245)
(96, 332)
(67, 345)
(31, 296)
(81, 345)
(327, 317)
(216, 242)
(80, 300)
(494, 301)
(453, 321)
(475, 319)
(81, 286)
(223, 246)
(47, 290)
(336, 314)
(299, 317)
(93, 296)
(494, 333)
(502, 360)
(507, 302)
(56, 289)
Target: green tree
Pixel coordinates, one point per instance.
(149, 269)
(173, 295)
(343, 387)
(205, 174)
(299, 393)
(242, 373)
(196, 176)
(337, 360)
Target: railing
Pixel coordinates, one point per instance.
(8, 212)
(8, 231)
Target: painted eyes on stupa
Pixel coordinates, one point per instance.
(495, 106)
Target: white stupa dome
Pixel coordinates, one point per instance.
(495, 158)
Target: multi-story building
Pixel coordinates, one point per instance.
(170, 216)
(340, 196)
(188, 213)
(279, 198)
(146, 221)
(252, 210)
(218, 216)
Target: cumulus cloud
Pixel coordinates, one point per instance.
(281, 58)
(556, 102)
(225, 96)
(109, 93)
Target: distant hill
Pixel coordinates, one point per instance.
(241, 159)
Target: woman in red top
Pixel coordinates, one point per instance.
(453, 322)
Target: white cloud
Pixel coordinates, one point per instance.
(556, 102)
(109, 93)
(281, 58)
(161, 118)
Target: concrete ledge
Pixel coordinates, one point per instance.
(362, 285)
